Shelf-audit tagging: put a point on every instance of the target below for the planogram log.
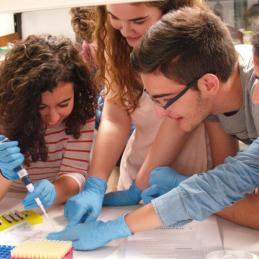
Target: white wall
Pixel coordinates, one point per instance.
(7, 24)
(56, 22)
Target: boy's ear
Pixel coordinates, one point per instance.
(255, 96)
(208, 84)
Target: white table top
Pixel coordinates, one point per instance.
(237, 237)
(233, 236)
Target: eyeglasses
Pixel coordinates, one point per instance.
(175, 98)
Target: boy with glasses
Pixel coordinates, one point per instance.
(186, 45)
(221, 86)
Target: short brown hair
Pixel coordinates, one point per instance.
(186, 44)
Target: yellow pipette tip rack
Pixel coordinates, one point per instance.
(50, 249)
(10, 219)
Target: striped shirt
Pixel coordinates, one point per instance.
(67, 156)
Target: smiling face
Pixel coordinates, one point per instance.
(57, 105)
(132, 20)
(188, 111)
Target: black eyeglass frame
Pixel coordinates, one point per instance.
(175, 98)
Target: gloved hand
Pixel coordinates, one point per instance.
(44, 190)
(161, 181)
(86, 205)
(93, 234)
(10, 158)
(122, 198)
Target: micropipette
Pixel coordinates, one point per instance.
(24, 177)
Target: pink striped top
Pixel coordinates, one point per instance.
(67, 156)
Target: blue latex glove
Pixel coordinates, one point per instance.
(10, 158)
(86, 205)
(131, 196)
(44, 190)
(93, 234)
(161, 181)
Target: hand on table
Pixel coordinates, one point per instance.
(131, 196)
(93, 234)
(162, 180)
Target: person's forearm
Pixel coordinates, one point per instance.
(109, 144)
(5, 184)
(142, 219)
(163, 151)
(111, 139)
(204, 194)
(244, 212)
(65, 187)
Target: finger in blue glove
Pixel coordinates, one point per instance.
(162, 180)
(131, 196)
(86, 205)
(93, 234)
(45, 191)
(150, 193)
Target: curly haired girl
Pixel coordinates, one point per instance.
(47, 108)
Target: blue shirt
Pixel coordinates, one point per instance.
(204, 194)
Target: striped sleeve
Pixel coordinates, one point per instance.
(67, 156)
(76, 155)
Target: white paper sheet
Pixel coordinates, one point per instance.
(193, 241)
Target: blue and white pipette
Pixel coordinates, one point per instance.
(24, 177)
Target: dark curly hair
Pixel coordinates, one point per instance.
(33, 66)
